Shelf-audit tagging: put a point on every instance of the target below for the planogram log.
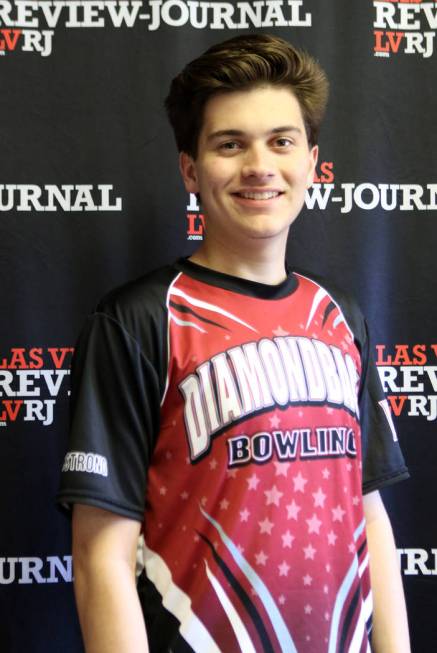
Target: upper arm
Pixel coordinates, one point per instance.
(114, 421)
(99, 536)
(373, 507)
(383, 462)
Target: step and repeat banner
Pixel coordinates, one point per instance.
(90, 197)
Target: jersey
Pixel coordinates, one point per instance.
(241, 423)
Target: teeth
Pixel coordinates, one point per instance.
(266, 195)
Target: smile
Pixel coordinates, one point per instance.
(265, 195)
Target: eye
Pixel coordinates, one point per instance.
(229, 146)
(283, 142)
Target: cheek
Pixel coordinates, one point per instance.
(214, 178)
(305, 174)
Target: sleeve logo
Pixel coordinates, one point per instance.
(91, 463)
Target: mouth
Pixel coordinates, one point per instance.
(259, 195)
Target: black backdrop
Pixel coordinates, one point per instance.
(90, 197)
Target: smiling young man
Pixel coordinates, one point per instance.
(252, 168)
(227, 407)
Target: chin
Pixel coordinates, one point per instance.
(265, 234)
(267, 228)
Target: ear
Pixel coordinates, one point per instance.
(314, 155)
(187, 167)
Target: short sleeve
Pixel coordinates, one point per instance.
(115, 402)
(383, 462)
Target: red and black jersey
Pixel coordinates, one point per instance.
(241, 423)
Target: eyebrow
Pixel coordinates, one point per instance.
(238, 132)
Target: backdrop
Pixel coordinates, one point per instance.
(90, 196)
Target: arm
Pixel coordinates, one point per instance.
(104, 552)
(390, 625)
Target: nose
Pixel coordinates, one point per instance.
(258, 163)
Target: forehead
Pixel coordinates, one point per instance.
(258, 109)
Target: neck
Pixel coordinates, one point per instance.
(264, 262)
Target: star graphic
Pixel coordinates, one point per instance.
(279, 331)
(244, 515)
(168, 455)
(349, 467)
(332, 538)
(240, 548)
(356, 501)
(261, 558)
(274, 421)
(328, 567)
(287, 539)
(281, 599)
(232, 473)
(224, 504)
(310, 552)
(293, 510)
(184, 495)
(213, 463)
(283, 568)
(163, 491)
(314, 524)
(299, 482)
(351, 547)
(329, 410)
(281, 468)
(203, 500)
(307, 580)
(273, 496)
(265, 526)
(326, 473)
(253, 481)
(325, 589)
(308, 609)
(338, 513)
(326, 616)
(319, 498)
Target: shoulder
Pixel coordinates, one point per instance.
(139, 300)
(130, 322)
(344, 301)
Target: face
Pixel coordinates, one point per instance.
(253, 165)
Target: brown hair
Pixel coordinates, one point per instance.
(238, 64)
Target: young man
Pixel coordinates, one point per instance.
(227, 407)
